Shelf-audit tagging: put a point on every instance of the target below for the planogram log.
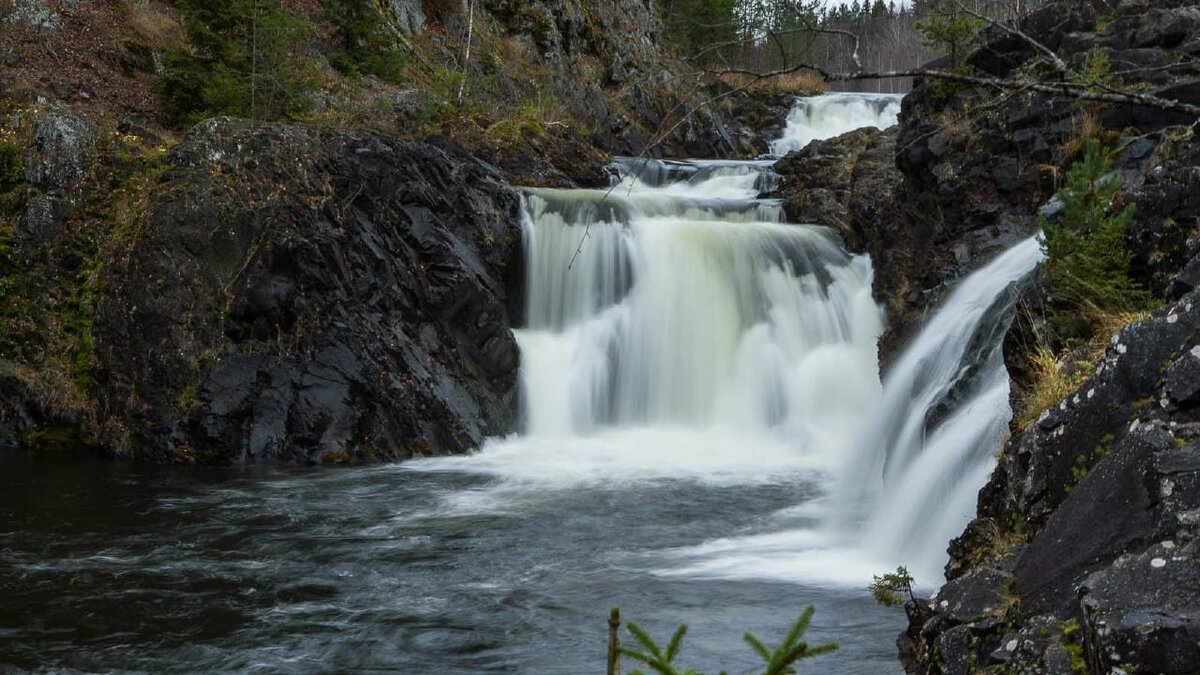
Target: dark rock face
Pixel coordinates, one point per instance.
(1144, 609)
(312, 296)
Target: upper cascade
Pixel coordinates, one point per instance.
(815, 118)
(677, 297)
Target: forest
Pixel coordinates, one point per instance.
(763, 35)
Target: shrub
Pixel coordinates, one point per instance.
(891, 590)
(1089, 259)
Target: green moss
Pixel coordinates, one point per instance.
(1073, 645)
(52, 437)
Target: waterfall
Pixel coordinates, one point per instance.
(926, 449)
(679, 299)
(943, 415)
(678, 331)
(818, 117)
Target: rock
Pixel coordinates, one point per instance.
(1112, 504)
(1167, 27)
(409, 14)
(34, 14)
(974, 596)
(360, 312)
(59, 160)
(1144, 610)
(1183, 378)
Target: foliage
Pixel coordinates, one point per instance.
(367, 44)
(1096, 73)
(890, 590)
(1089, 260)
(780, 661)
(694, 24)
(951, 32)
(243, 62)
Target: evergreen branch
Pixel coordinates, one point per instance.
(676, 643)
(758, 646)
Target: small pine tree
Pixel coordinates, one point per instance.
(951, 32)
(1089, 259)
(893, 589)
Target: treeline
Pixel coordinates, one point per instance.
(766, 35)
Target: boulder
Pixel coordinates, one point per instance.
(312, 295)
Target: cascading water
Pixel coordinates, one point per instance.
(818, 117)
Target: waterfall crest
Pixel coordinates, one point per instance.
(818, 117)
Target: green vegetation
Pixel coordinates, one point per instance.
(952, 33)
(12, 169)
(694, 24)
(1089, 258)
(779, 661)
(1074, 645)
(367, 44)
(891, 590)
(243, 62)
(1097, 73)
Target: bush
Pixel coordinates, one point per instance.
(367, 44)
(1089, 259)
(243, 62)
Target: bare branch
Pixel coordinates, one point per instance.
(1057, 62)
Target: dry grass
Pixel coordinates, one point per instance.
(956, 126)
(1051, 384)
(1054, 380)
(799, 82)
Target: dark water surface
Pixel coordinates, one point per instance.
(108, 566)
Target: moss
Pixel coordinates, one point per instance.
(56, 437)
(1073, 644)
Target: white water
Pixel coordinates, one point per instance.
(678, 331)
(819, 117)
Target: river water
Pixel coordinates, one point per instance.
(707, 441)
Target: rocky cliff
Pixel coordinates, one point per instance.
(1083, 555)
